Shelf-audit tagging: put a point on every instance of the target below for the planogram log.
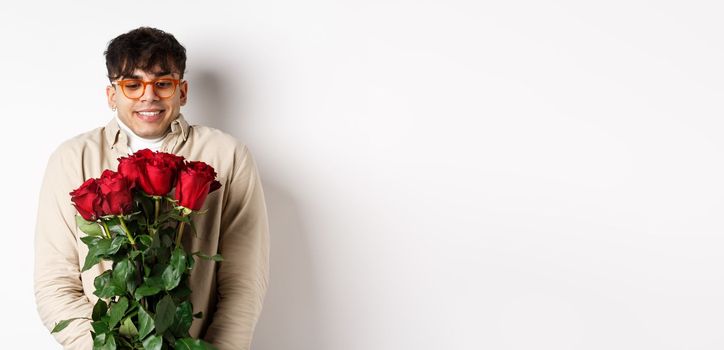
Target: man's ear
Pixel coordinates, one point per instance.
(111, 95)
(184, 90)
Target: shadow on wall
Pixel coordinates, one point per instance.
(210, 97)
(290, 318)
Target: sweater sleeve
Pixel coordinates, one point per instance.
(57, 279)
(243, 275)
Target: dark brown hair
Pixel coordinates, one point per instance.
(143, 48)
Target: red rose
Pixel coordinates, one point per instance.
(154, 172)
(116, 192)
(195, 181)
(161, 172)
(133, 166)
(87, 200)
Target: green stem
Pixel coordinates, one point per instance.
(180, 233)
(158, 207)
(107, 230)
(128, 233)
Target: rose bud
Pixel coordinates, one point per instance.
(196, 180)
(115, 189)
(87, 200)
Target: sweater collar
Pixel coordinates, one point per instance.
(179, 128)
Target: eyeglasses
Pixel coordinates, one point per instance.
(135, 88)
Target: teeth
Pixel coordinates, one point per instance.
(149, 114)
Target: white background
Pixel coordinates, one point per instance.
(439, 174)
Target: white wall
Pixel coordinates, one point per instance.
(439, 174)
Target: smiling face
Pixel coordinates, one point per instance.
(149, 116)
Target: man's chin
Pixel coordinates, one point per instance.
(149, 134)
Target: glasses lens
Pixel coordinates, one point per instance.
(164, 88)
(132, 88)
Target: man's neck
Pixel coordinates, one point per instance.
(136, 142)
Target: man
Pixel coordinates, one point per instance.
(146, 68)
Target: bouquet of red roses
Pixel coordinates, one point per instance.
(132, 218)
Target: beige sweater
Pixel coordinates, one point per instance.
(230, 293)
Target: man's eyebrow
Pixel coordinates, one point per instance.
(157, 74)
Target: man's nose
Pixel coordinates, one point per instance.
(149, 94)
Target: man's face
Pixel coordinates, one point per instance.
(149, 116)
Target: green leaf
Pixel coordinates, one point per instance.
(113, 246)
(110, 343)
(99, 309)
(64, 323)
(165, 310)
(104, 341)
(145, 240)
(124, 273)
(176, 214)
(117, 311)
(103, 286)
(132, 216)
(190, 262)
(150, 286)
(90, 240)
(115, 226)
(176, 267)
(216, 257)
(100, 247)
(128, 329)
(153, 342)
(157, 240)
(99, 341)
(125, 344)
(90, 260)
(183, 320)
(145, 322)
(181, 292)
(144, 291)
(94, 244)
(102, 279)
(101, 326)
(91, 228)
(192, 344)
(108, 291)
